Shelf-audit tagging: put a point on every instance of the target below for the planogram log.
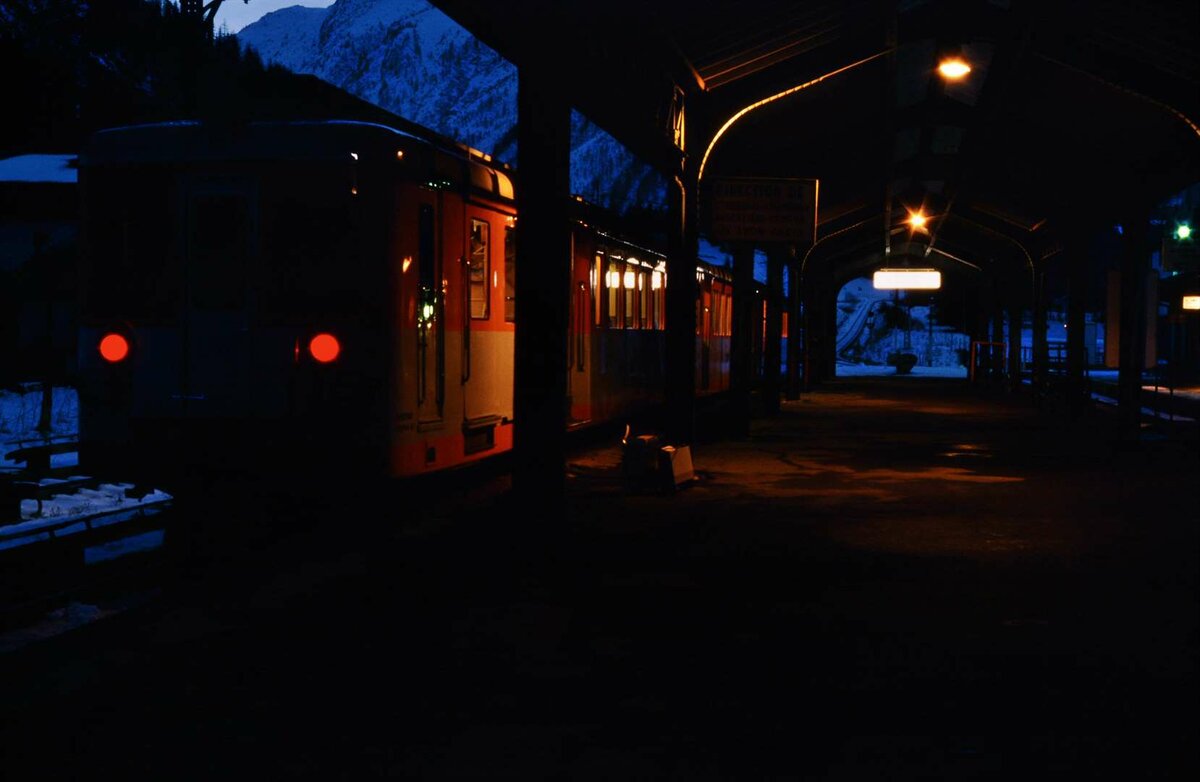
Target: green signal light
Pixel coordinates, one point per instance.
(1183, 231)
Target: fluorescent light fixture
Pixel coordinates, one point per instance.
(1191, 302)
(907, 279)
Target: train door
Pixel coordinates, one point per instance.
(430, 332)
(581, 316)
(219, 240)
(487, 338)
(724, 330)
(704, 324)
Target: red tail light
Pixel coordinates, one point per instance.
(114, 348)
(324, 348)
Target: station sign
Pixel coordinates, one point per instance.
(763, 209)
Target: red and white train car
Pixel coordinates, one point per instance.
(337, 295)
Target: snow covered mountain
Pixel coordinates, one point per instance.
(409, 58)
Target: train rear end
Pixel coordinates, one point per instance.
(231, 311)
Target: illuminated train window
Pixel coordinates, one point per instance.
(629, 284)
(597, 272)
(658, 280)
(722, 311)
(612, 281)
(644, 298)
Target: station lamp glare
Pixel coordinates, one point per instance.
(1191, 302)
(917, 220)
(907, 279)
(953, 68)
(1183, 231)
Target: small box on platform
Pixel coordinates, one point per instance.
(675, 465)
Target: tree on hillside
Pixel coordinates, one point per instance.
(75, 67)
(206, 11)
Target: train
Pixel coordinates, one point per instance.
(340, 294)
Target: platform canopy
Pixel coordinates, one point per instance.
(1072, 111)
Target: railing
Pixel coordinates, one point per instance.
(1056, 357)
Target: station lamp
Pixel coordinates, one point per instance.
(917, 220)
(907, 279)
(1183, 231)
(953, 68)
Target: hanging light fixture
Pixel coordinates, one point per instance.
(953, 68)
(917, 220)
(952, 64)
(907, 279)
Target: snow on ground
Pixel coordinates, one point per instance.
(20, 412)
(866, 370)
(39, 168)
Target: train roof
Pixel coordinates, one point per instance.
(193, 140)
(334, 140)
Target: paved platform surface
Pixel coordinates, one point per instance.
(890, 580)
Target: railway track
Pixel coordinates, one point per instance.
(76, 548)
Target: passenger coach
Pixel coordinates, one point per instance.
(338, 296)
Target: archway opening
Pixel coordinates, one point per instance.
(918, 333)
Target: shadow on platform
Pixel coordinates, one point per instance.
(884, 581)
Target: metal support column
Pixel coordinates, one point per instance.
(996, 362)
(1016, 315)
(772, 350)
(543, 243)
(741, 368)
(795, 327)
(1135, 257)
(682, 251)
(1041, 351)
(1077, 291)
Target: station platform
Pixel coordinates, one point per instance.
(892, 578)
